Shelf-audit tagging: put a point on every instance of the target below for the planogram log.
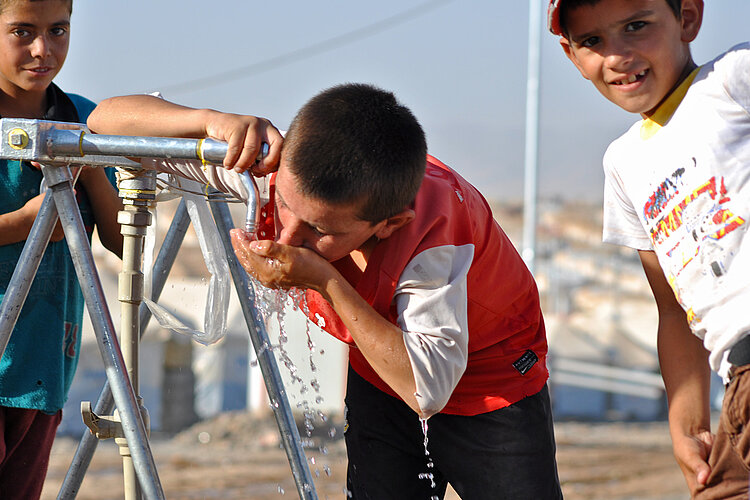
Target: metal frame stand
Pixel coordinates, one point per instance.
(105, 403)
(57, 149)
(59, 180)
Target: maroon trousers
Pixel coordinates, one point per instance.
(26, 438)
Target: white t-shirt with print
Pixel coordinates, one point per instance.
(680, 186)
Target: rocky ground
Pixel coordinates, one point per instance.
(235, 456)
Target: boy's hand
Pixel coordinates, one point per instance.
(244, 135)
(692, 453)
(280, 266)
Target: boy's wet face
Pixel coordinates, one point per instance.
(331, 230)
(634, 51)
(33, 44)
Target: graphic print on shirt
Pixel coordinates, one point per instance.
(693, 225)
(71, 339)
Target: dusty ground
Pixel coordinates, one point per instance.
(238, 457)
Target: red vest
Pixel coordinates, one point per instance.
(506, 328)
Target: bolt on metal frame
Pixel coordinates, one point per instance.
(57, 145)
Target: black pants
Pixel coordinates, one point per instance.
(504, 454)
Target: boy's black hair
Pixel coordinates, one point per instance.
(355, 143)
(567, 5)
(5, 3)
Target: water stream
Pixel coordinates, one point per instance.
(273, 306)
(429, 475)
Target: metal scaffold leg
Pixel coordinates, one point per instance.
(59, 179)
(105, 404)
(28, 263)
(290, 437)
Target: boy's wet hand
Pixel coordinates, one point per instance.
(279, 266)
(244, 136)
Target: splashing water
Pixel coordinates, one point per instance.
(272, 304)
(430, 465)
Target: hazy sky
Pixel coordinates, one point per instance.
(460, 65)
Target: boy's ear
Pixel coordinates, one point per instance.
(692, 18)
(391, 224)
(565, 44)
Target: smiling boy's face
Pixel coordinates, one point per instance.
(34, 40)
(635, 52)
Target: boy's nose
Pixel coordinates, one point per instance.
(290, 235)
(40, 47)
(619, 55)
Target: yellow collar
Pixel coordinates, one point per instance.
(651, 125)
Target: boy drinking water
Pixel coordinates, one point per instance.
(37, 367)
(677, 190)
(402, 259)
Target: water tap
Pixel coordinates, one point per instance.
(253, 195)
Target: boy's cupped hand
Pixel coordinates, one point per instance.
(281, 266)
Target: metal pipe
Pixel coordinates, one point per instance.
(26, 268)
(290, 437)
(532, 136)
(65, 142)
(61, 142)
(105, 403)
(137, 193)
(58, 178)
(253, 195)
(253, 199)
(130, 295)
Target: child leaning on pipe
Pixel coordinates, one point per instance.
(677, 190)
(40, 359)
(401, 258)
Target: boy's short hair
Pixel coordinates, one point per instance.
(559, 25)
(6, 3)
(355, 143)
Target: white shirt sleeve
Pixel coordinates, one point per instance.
(737, 75)
(431, 301)
(621, 225)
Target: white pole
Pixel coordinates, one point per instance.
(532, 136)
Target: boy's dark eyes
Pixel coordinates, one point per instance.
(635, 25)
(590, 41)
(629, 28)
(24, 33)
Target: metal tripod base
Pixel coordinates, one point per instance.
(59, 180)
(259, 337)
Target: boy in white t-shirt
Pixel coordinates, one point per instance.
(678, 190)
